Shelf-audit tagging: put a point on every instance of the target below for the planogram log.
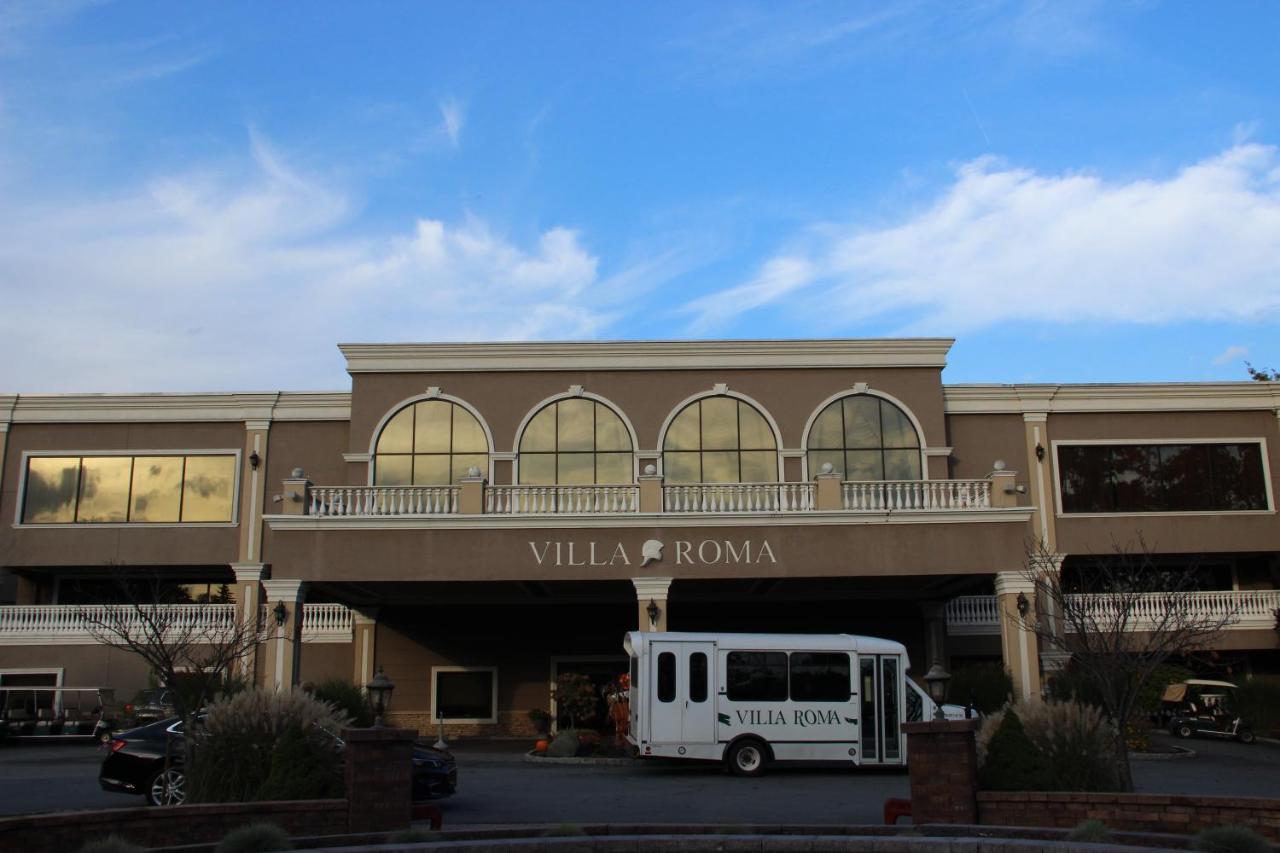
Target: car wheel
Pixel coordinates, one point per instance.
(1245, 736)
(747, 758)
(1183, 730)
(167, 788)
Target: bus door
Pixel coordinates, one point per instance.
(682, 701)
(880, 695)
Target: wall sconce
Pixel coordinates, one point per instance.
(1039, 452)
(254, 460)
(653, 612)
(281, 613)
(1023, 605)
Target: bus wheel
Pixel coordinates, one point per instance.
(746, 758)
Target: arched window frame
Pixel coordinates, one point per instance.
(429, 396)
(720, 391)
(572, 394)
(864, 392)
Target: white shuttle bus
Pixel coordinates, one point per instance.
(749, 699)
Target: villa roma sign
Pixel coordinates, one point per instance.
(683, 552)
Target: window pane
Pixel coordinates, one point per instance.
(819, 677)
(464, 695)
(157, 488)
(697, 677)
(753, 430)
(468, 435)
(828, 429)
(1184, 469)
(104, 489)
(898, 431)
(901, 464)
(537, 469)
(756, 676)
(759, 466)
(683, 433)
(719, 423)
(431, 469)
(206, 488)
(1237, 476)
(666, 677)
(431, 426)
(576, 469)
(463, 463)
(614, 468)
(393, 470)
(720, 466)
(611, 432)
(51, 489)
(1085, 482)
(1132, 467)
(681, 468)
(540, 433)
(577, 424)
(397, 435)
(864, 465)
(861, 421)
(818, 457)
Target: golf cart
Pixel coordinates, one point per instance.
(1199, 707)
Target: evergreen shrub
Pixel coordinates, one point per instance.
(1230, 839)
(348, 698)
(254, 838)
(1013, 763)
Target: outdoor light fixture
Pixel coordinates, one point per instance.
(937, 678)
(254, 460)
(1023, 605)
(379, 690)
(1039, 452)
(653, 612)
(281, 613)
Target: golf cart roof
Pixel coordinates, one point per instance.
(1199, 682)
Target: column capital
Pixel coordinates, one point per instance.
(257, 426)
(248, 572)
(288, 590)
(364, 615)
(652, 587)
(1012, 583)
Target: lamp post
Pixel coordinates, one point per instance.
(937, 678)
(379, 689)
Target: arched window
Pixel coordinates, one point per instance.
(719, 439)
(576, 440)
(432, 442)
(865, 438)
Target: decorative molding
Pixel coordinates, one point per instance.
(1126, 397)
(284, 589)
(1012, 583)
(356, 458)
(170, 408)
(645, 355)
(257, 425)
(313, 406)
(938, 451)
(655, 588)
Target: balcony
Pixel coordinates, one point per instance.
(70, 624)
(969, 615)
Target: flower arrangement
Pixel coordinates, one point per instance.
(618, 690)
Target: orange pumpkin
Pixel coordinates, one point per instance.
(542, 745)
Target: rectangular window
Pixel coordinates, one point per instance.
(698, 677)
(756, 676)
(125, 489)
(466, 694)
(667, 677)
(819, 677)
(1173, 477)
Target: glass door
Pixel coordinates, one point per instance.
(880, 677)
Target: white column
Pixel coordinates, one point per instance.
(286, 638)
(1019, 645)
(249, 596)
(655, 590)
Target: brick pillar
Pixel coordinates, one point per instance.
(943, 767)
(379, 785)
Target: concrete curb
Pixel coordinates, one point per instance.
(1182, 752)
(534, 758)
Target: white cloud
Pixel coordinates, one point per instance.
(1003, 243)
(190, 283)
(452, 119)
(1230, 354)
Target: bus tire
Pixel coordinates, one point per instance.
(747, 757)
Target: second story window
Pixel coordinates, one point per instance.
(129, 489)
(1189, 477)
(865, 438)
(719, 440)
(434, 442)
(575, 441)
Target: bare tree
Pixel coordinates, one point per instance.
(1119, 617)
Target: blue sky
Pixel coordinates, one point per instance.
(211, 196)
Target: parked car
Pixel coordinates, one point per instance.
(136, 764)
(1199, 707)
(149, 706)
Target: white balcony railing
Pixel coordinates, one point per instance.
(973, 614)
(538, 500)
(897, 495)
(23, 624)
(384, 500)
(739, 497)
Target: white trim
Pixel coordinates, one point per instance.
(430, 394)
(59, 674)
(862, 389)
(357, 458)
(1040, 490)
(720, 390)
(645, 355)
(18, 523)
(1261, 441)
(313, 406)
(255, 496)
(1118, 397)
(491, 719)
(575, 392)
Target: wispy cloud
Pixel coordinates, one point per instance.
(1230, 354)
(452, 119)
(1003, 243)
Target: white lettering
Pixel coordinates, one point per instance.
(558, 544)
(593, 560)
(702, 551)
(619, 553)
(765, 549)
(732, 555)
(533, 546)
(571, 561)
(682, 552)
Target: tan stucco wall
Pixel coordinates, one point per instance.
(324, 661)
(977, 441)
(86, 665)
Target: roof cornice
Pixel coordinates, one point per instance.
(177, 408)
(644, 355)
(1126, 397)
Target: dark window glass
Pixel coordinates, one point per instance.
(697, 677)
(464, 695)
(756, 676)
(1161, 477)
(819, 677)
(666, 677)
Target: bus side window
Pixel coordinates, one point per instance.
(697, 677)
(666, 677)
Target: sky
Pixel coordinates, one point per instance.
(210, 197)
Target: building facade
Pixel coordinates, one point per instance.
(477, 518)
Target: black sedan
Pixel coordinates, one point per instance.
(149, 761)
